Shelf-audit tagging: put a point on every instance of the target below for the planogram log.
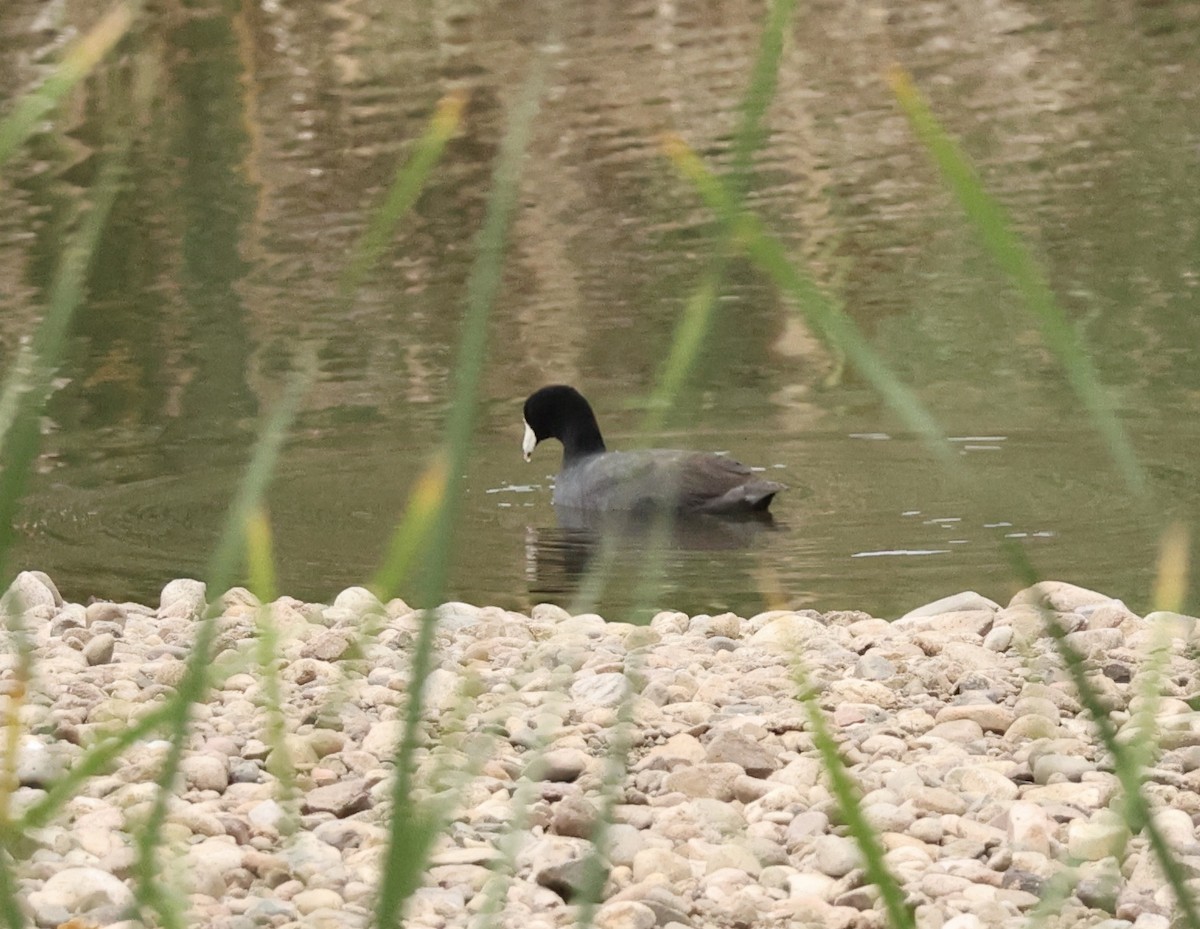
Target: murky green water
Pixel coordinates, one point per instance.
(269, 132)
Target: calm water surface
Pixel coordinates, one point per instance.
(266, 133)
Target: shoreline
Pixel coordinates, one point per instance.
(980, 774)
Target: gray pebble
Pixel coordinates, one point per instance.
(725, 816)
(836, 856)
(99, 650)
(182, 598)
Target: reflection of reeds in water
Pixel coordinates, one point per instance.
(425, 533)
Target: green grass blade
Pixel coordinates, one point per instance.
(410, 834)
(849, 801)
(411, 534)
(406, 187)
(696, 320)
(12, 610)
(76, 64)
(834, 326)
(25, 392)
(690, 334)
(1171, 578)
(17, 382)
(95, 760)
(260, 566)
(260, 559)
(994, 229)
(764, 80)
(1126, 760)
(227, 556)
(222, 568)
(10, 910)
(27, 386)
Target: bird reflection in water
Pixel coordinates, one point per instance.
(559, 559)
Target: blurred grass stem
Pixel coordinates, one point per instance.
(412, 828)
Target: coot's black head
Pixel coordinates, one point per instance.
(560, 412)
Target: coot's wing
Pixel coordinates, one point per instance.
(713, 483)
(699, 482)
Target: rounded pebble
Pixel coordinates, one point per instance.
(979, 771)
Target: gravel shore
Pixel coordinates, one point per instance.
(985, 782)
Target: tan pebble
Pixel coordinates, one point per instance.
(329, 646)
(77, 889)
(991, 717)
(681, 749)
(198, 821)
(560, 765)
(1052, 767)
(549, 613)
(326, 741)
(704, 780)
(1095, 643)
(317, 898)
(289, 889)
(1029, 828)
(787, 632)
(747, 789)
(956, 730)
(383, 737)
(1058, 595)
(737, 748)
(641, 637)
(574, 815)
(1105, 834)
(998, 639)
(1176, 826)
(1085, 795)
(1029, 728)
(205, 772)
(939, 800)
(967, 600)
(836, 856)
(731, 856)
(982, 782)
(103, 611)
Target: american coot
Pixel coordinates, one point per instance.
(593, 478)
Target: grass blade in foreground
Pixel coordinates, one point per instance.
(222, 568)
(10, 909)
(260, 566)
(77, 63)
(24, 395)
(764, 80)
(695, 321)
(412, 829)
(849, 800)
(1126, 760)
(27, 386)
(992, 226)
(406, 188)
(424, 504)
(691, 331)
(835, 327)
(1171, 580)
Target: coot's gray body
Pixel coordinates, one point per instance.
(593, 478)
